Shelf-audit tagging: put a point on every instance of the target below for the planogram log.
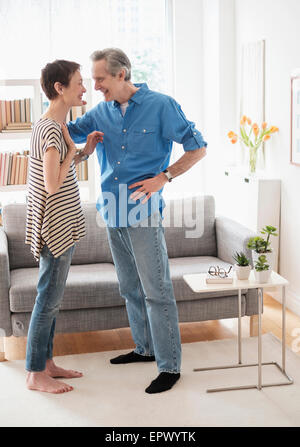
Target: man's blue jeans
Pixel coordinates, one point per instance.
(53, 275)
(142, 265)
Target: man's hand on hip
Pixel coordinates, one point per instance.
(148, 187)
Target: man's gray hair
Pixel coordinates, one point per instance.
(116, 61)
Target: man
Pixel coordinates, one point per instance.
(139, 126)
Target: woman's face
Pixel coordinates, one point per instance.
(72, 94)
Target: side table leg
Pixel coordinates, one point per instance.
(260, 299)
(240, 327)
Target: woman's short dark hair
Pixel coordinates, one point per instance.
(57, 71)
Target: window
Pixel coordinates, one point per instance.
(36, 32)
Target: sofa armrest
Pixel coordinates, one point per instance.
(232, 237)
(5, 314)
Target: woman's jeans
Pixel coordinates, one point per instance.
(142, 265)
(53, 274)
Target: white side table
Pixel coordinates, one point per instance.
(198, 284)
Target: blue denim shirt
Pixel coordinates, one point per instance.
(135, 147)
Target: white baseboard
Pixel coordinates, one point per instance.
(292, 300)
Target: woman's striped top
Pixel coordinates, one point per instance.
(53, 219)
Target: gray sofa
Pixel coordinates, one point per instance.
(92, 301)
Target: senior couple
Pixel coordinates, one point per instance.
(132, 130)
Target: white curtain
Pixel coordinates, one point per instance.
(34, 32)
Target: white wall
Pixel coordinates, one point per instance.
(277, 21)
(219, 89)
(188, 84)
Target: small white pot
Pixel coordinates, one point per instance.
(262, 276)
(242, 272)
(269, 256)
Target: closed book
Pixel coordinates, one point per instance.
(22, 170)
(2, 169)
(6, 167)
(17, 108)
(8, 111)
(210, 279)
(9, 168)
(12, 110)
(18, 163)
(13, 169)
(22, 103)
(16, 129)
(1, 119)
(85, 170)
(26, 170)
(3, 113)
(28, 110)
(14, 125)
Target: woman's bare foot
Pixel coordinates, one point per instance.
(41, 381)
(55, 371)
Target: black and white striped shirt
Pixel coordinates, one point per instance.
(53, 219)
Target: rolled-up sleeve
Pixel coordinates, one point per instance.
(176, 127)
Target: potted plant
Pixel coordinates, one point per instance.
(262, 269)
(259, 245)
(242, 266)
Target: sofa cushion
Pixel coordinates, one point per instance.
(190, 227)
(90, 249)
(96, 285)
(14, 223)
(88, 286)
(94, 247)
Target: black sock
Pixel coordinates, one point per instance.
(163, 382)
(132, 357)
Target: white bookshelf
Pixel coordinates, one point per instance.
(20, 140)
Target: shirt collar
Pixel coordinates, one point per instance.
(138, 96)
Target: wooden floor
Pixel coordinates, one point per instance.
(15, 347)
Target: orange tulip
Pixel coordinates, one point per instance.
(249, 121)
(231, 134)
(266, 137)
(234, 139)
(264, 125)
(244, 119)
(255, 129)
(274, 129)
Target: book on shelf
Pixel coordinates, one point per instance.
(76, 112)
(8, 111)
(82, 171)
(211, 279)
(1, 119)
(14, 168)
(17, 108)
(3, 115)
(22, 104)
(15, 115)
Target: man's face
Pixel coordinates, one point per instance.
(109, 85)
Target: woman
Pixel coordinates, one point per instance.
(55, 220)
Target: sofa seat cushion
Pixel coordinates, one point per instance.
(88, 286)
(195, 264)
(96, 285)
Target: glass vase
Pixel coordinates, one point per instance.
(252, 159)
